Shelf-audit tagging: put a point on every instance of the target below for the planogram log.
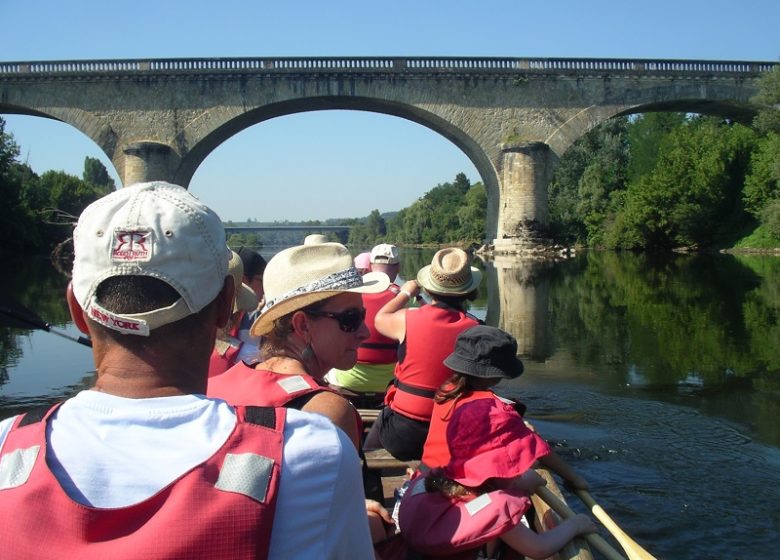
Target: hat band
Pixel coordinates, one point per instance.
(338, 281)
(138, 323)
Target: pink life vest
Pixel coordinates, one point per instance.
(448, 528)
(377, 348)
(431, 331)
(244, 385)
(220, 509)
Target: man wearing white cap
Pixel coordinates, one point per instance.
(144, 465)
(365, 383)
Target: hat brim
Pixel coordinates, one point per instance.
(424, 279)
(246, 299)
(473, 368)
(373, 282)
(507, 462)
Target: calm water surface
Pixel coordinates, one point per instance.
(658, 379)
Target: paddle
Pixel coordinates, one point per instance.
(23, 318)
(594, 539)
(632, 548)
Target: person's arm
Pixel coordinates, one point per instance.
(380, 522)
(554, 462)
(320, 509)
(338, 410)
(543, 545)
(390, 320)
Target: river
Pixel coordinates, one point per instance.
(658, 378)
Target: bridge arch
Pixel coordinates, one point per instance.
(236, 124)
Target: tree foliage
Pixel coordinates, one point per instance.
(37, 211)
(682, 180)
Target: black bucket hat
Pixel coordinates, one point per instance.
(484, 351)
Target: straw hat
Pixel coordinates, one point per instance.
(315, 239)
(299, 276)
(246, 298)
(449, 274)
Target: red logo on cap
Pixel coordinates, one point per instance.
(132, 246)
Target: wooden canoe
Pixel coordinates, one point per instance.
(542, 518)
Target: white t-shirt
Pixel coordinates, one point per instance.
(110, 451)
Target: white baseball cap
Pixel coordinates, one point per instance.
(152, 229)
(384, 253)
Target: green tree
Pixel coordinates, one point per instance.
(762, 182)
(96, 174)
(586, 190)
(471, 215)
(645, 136)
(693, 192)
(768, 98)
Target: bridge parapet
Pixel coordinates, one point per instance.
(383, 64)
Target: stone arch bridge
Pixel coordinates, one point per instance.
(513, 117)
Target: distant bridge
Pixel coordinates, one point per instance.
(513, 117)
(271, 227)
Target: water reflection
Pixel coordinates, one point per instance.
(701, 329)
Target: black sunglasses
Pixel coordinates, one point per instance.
(349, 320)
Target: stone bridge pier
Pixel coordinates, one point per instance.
(147, 161)
(525, 172)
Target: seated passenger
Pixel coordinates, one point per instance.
(228, 346)
(426, 335)
(476, 502)
(365, 383)
(313, 320)
(483, 356)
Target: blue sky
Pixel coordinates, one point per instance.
(344, 164)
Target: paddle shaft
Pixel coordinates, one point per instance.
(594, 539)
(30, 318)
(632, 548)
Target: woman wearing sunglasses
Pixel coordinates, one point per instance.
(312, 322)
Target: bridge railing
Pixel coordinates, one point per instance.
(383, 64)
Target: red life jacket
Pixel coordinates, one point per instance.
(436, 452)
(224, 356)
(449, 528)
(244, 385)
(209, 512)
(431, 331)
(377, 348)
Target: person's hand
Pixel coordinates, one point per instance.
(411, 287)
(372, 506)
(376, 512)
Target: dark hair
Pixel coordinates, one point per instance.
(253, 262)
(437, 481)
(138, 294)
(459, 383)
(456, 302)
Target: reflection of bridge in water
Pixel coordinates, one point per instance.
(518, 302)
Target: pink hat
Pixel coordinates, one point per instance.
(363, 260)
(488, 439)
